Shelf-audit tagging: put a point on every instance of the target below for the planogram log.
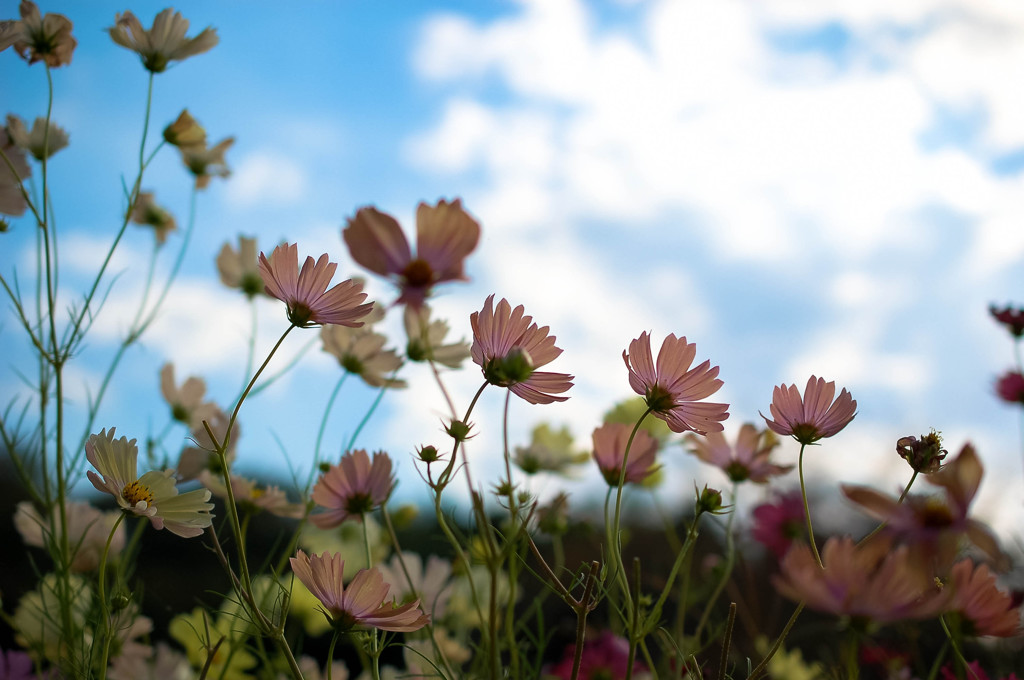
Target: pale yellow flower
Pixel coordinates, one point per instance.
(231, 660)
(164, 42)
(549, 451)
(36, 625)
(41, 141)
(185, 131)
(147, 213)
(153, 495)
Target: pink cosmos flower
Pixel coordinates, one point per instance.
(509, 347)
(935, 524)
(607, 656)
(746, 459)
(362, 603)
(445, 236)
(353, 487)
(778, 523)
(1010, 387)
(814, 416)
(871, 581)
(305, 291)
(1011, 317)
(988, 610)
(610, 447)
(671, 388)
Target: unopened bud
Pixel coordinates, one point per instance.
(458, 430)
(709, 500)
(924, 455)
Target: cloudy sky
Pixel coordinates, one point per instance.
(828, 188)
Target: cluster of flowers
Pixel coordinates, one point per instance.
(458, 617)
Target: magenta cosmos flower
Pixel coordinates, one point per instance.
(814, 416)
(671, 388)
(607, 656)
(353, 487)
(610, 447)
(1010, 387)
(305, 291)
(746, 459)
(509, 347)
(1011, 317)
(362, 602)
(445, 236)
(777, 524)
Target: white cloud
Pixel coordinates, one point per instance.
(267, 178)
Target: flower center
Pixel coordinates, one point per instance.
(352, 364)
(418, 274)
(513, 368)
(179, 413)
(659, 399)
(358, 504)
(251, 284)
(737, 471)
(806, 433)
(299, 314)
(136, 493)
(935, 514)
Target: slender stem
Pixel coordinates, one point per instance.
(327, 413)
(330, 653)
(807, 510)
(582, 609)
(369, 414)
(730, 562)
(634, 616)
(903, 497)
(761, 667)
(727, 641)
(956, 647)
(101, 585)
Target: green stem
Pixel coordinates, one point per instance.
(730, 562)
(807, 510)
(108, 634)
(330, 653)
(323, 421)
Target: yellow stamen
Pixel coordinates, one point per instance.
(135, 493)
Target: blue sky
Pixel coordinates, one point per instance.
(831, 188)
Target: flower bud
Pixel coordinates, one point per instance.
(185, 131)
(709, 500)
(924, 455)
(458, 430)
(428, 454)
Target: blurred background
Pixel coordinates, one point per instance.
(829, 188)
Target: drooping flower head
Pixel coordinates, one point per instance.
(305, 291)
(164, 42)
(813, 416)
(39, 38)
(362, 603)
(241, 268)
(778, 523)
(445, 235)
(924, 454)
(870, 581)
(1011, 317)
(934, 524)
(353, 487)
(746, 459)
(153, 495)
(147, 213)
(673, 390)
(509, 347)
(610, 442)
(1010, 387)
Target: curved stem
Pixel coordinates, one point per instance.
(101, 585)
(807, 510)
(369, 414)
(730, 561)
